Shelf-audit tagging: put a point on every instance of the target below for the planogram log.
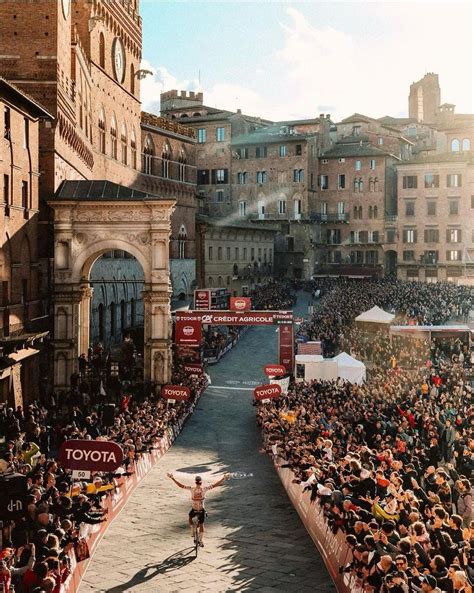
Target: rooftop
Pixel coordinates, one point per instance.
(236, 224)
(445, 157)
(277, 132)
(167, 124)
(101, 190)
(353, 149)
(31, 105)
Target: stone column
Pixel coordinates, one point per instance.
(85, 315)
(157, 336)
(67, 309)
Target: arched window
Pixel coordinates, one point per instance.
(101, 51)
(376, 184)
(101, 321)
(124, 142)
(165, 161)
(356, 184)
(148, 153)
(132, 79)
(123, 314)
(455, 145)
(361, 184)
(466, 144)
(210, 282)
(356, 212)
(376, 212)
(102, 131)
(133, 149)
(370, 211)
(219, 254)
(371, 184)
(182, 164)
(113, 319)
(360, 212)
(113, 137)
(182, 237)
(219, 281)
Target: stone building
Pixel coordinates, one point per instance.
(435, 218)
(215, 130)
(22, 309)
(81, 60)
(424, 99)
(435, 204)
(357, 198)
(237, 255)
(169, 167)
(274, 181)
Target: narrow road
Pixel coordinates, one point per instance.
(254, 539)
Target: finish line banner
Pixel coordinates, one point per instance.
(236, 317)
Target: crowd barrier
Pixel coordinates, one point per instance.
(332, 547)
(115, 503)
(212, 356)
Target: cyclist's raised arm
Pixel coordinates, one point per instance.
(170, 475)
(220, 481)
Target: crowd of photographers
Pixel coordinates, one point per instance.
(389, 461)
(62, 511)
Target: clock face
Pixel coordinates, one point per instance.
(66, 4)
(118, 58)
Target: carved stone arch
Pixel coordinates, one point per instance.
(123, 219)
(87, 258)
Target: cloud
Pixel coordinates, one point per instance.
(162, 80)
(225, 95)
(366, 68)
(370, 72)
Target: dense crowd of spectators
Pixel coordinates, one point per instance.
(62, 511)
(389, 461)
(412, 302)
(274, 296)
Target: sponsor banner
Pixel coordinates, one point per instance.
(193, 369)
(283, 383)
(236, 317)
(188, 331)
(98, 456)
(115, 503)
(240, 303)
(274, 370)
(179, 393)
(286, 347)
(332, 547)
(202, 299)
(266, 392)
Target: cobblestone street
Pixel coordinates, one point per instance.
(254, 539)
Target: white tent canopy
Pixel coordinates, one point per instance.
(376, 315)
(349, 368)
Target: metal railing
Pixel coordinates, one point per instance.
(331, 217)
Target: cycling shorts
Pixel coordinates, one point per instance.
(201, 515)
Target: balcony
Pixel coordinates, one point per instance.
(391, 220)
(168, 170)
(333, 217)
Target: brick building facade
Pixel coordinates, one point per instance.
(81, 60)
(22, 309)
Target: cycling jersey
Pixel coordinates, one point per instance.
(198, 494)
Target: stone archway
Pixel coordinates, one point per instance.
(91, 218)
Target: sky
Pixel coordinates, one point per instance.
(288, 60)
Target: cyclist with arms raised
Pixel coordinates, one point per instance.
(198, 494)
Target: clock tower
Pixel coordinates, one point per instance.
(79, 59)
